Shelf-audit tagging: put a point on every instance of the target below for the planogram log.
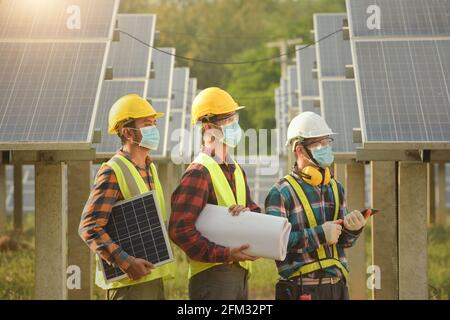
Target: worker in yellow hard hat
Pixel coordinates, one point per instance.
(215, 271)
(133, 119)
(315, 267)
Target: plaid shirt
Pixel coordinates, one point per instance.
(96, 212)
(303, 241)
(189, 199)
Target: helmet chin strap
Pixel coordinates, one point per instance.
(314, 163)
(311, 158)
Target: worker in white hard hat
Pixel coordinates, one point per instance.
(314, 203)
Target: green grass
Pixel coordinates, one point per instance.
(17, 268)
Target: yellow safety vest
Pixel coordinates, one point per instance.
(324, 261)
(131, 184)
(225, 198)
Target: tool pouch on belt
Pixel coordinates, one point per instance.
(287, 290)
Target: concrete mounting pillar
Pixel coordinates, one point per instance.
(78, 189)
(412, 223)
(164, 177)
(18, 197)
(339, 173)
(355, 194)
(2, 198)
(51, 231)
(441, 212)
(431, 194)
(384, 230)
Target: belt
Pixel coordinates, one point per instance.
(313, 281)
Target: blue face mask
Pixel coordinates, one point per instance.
(324, 156)
(232, 134)
(150, 137)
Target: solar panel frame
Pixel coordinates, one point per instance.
(127, 56)
(403, 76)
(278, 119)
(85, 142)
(292, 83)
(339, 108)
(334, 53)
(284, 112)
(307, 86)
(309, 105)
(146, 201)
(414, 38)
(189, 128)
(400, 18)
(178, 112)
(161, 98)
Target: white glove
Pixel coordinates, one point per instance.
(332, 232)
(354, 221)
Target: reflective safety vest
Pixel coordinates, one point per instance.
(323, 262)
(131, 184)
(225, 198)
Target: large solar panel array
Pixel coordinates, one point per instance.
(402, 73)
(308, 87)
(178, 112)
(400, 18)
(137, 227)
(338, 95)
(160, 93)
(51, 69)
(56, 19)
(131, 63)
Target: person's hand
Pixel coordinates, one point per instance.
(236, 254)
(332, 231)
(236, 209)
(354, 221)
(138, 268)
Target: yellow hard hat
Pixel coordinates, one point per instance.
(131, 106)
(213, 101)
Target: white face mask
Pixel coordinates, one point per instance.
(232, 134)
(150, 137)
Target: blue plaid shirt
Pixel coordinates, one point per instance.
(282, 201)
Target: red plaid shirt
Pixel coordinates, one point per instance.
(104, 195)
(189, 199)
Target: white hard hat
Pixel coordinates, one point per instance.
(307, 125)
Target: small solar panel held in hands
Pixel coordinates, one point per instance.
(136, 225)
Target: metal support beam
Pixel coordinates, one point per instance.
(384, 229)
(412, 223)
(18, 198)
(51, 231)
(54, 156)
(78, 189)
(355, 194)
(339, 173)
